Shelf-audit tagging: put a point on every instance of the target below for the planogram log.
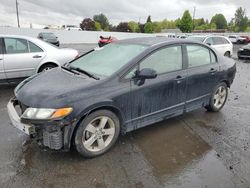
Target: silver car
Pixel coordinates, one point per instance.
(21, 57)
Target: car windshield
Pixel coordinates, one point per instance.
(49, 36)
(197, 38)
(107, 60)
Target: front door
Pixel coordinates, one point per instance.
(163, 96)
(21, 58)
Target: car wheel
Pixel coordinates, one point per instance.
(47, 67)
(227, 54)
(97, 133)
(218, 98)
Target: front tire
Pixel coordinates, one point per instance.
(218, 98)
(97, 133)
(47, 67)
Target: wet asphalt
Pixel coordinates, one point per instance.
(197, 149)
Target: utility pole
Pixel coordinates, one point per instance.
(194, 17)
(17, 14)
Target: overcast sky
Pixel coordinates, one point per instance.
(61, 12)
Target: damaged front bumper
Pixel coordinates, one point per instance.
(52, 134)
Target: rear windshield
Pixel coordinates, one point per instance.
(109, 59)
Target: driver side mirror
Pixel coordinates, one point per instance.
(142, 75)
(208, 43)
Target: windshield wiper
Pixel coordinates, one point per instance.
(84, 72)
(70, 70)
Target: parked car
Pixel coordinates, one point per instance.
(247, 39)
(244, 52)
(235, 39)
(106, 40)
(49, 37)
(121, 87)
(222, 44)
(71, 27)
(21, 57)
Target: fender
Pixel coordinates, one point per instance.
(70, 130)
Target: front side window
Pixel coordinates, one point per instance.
(198, 55)
(164, 60)
(34, 48)
(109, 59)
(209, 41)
(16, 46)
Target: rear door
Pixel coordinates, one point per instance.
(221, 45)
(202, 75)
(21, 58)
(2, 74)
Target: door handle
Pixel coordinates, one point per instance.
(212, 71)
(179, 79)
(37, 56)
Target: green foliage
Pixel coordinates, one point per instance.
(248, 29)
(149, 19)
(103, 20)
(156, 27)
(240, 19)
(220, 21)
(213, 26)
(185, 24)
(98, 26)
(133, 26)
(148, 28)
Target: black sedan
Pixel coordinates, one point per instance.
(244, 52)
(121, 87)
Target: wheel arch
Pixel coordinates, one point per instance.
(90, 110)
(47, 63)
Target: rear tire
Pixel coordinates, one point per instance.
(97, 133)
(218, 98)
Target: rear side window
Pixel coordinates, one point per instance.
(34, 48)
(199, 55)
(164, 60)
(219, 40)
(15, 46)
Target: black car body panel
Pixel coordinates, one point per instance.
(136, 106)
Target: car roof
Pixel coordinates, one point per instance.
(152, 41)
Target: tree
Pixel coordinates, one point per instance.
(185, 24)
(98, 26)
(156, 27)
(123, 27)
(133, 26)
(149, 19)
(103, 20)
(220, 21)
(240, 19)
(87, 24)
(148, 28)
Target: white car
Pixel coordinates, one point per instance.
(236, 39)
(71, 27)
(220, 43)
(21, 57)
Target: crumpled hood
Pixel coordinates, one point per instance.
(52, 89)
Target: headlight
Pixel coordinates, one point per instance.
(241, 49)
(46, 113)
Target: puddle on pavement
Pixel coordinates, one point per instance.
(180, 158)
